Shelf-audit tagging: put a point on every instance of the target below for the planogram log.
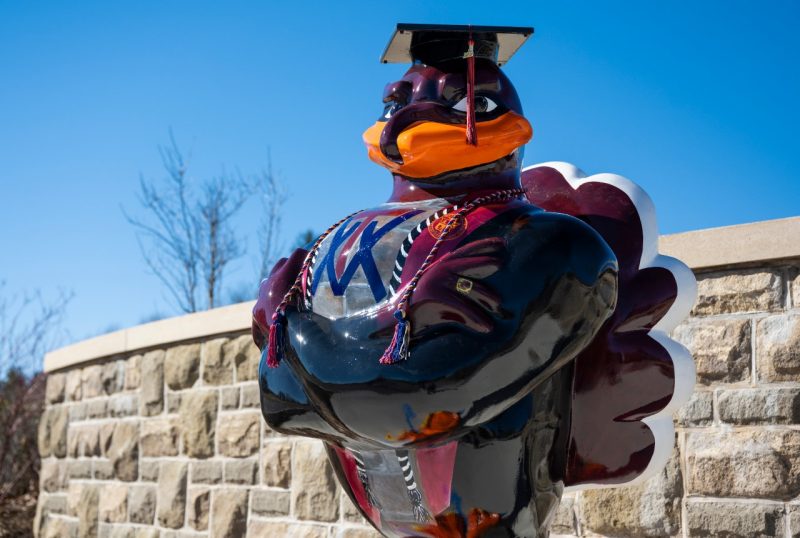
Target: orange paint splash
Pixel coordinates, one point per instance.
(453, 525)
(435, 424)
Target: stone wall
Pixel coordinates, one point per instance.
(170, 443)
(142, 439)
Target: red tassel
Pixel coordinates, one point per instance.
(472, 131)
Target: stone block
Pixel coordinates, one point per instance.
(276, 458)
(245, 355)
(92, 381)
(229, 514)
(565, 520)
(760, 406)
(754, 290)
(251, 396)
(52, 475)
(230, 398)
(47, 504)
(698, 411)
(159, 437)
(280, 528)
(217, 368)
(721, 349)
(118, 531)
(72, 387)
(142, 504)
(734, 519)
(198, 418)
(123, 452)
(86, 511)
(151, 393)
(239, 434)
(759, 464)
(794, 519)
(54, 393)
(795, 289)
(182, 366)
(112, 376)
(96, 408)
(79, 469)
(778, 348)
(113, 506)
(104, 436)
(172, 494)
(148, 533)
(356, 532)
(59, 528)
(270, 502)
(206, 472)
(241, 471)
(52, 435)
(174, 402)
(123, 405)
(314, 489)
(148, 470)
(77, 411)
(83, 441)
(199, 503)
(349, 511)
(102, 470)
(133, 373)
(652, 508)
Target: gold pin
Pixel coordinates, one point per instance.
(464, 285)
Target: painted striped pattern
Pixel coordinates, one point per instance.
(405, 247)
(414, 495)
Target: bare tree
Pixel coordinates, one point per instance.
(272, 196)
(29, 326)
(187, 241)
(223, 197)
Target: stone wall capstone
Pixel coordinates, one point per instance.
(170, 443)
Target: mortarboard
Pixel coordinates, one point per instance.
(435, 43)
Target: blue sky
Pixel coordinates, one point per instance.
(695, 101)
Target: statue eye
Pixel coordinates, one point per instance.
(482, 104)
(390, 108)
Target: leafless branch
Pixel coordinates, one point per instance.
(186, 235)
(29, 326)
(272, 196)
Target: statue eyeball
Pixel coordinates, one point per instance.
(482, 104)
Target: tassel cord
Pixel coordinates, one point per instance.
(472, 130)
(398, 349)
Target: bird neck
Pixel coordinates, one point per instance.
(480, 180)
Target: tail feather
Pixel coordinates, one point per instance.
(632, 376)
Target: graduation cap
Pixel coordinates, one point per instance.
(435, 43)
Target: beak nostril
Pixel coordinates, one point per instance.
(392, 152)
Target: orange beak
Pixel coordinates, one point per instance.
(429, 149)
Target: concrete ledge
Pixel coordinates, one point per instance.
(715, 247)
(763, 241)
(227, 319)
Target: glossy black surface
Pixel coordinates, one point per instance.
(546, 284)
(469, 436)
